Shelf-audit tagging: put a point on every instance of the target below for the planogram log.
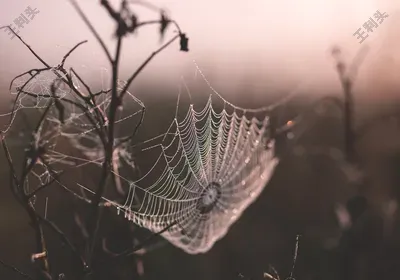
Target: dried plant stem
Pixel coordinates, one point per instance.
(16, 270)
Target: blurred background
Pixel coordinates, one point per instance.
(253, 52)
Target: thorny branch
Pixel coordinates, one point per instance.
(103, 123)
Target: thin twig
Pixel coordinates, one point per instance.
(9, 160)
(56, 178)
(130, 252)
(13, 268)
(129, 138)
(96, 212)
(106, 132)
(68, 53)
(27, 204)
(92, 29)
(141, 67)
(29, 47)
(20, 90)
(296, 250)
(65, 239)
(42, 187)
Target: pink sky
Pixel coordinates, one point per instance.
(273, 45)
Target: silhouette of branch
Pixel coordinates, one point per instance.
(20, 90)
(69, 53)
(347, 75)
(95, 216)
(29, 47)
(123, 28)
(141, 67)
(65, 239)
(103, 123)
(92, 29)
(130, 137)
(130, 252)
(35, 217)
(29, 208)
(16, 270)
(35, 192)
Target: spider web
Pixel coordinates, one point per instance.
(62, 140)
(211, 165)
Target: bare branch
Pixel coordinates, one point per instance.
(56, 178)
(132, 251)
(151, 22)
(127, 23)
(68, 53)
(109, 149)
(9, 159)
(141, 67)
(16, 270)
(29, 47)
(35, 192)
(20, 90)
(92, 29)
(115, 15)
(129, 138)
(65, 239)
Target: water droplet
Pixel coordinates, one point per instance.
(33, 199)
(243, 182)
(118, 210)
(290, 135)
(247, 160)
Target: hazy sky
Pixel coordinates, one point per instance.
(269, 44)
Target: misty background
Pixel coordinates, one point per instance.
(253, 53)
